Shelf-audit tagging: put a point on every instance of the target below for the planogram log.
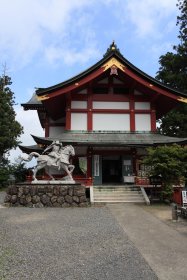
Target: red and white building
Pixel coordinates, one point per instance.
(108, 113)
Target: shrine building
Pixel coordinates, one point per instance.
(108, 113)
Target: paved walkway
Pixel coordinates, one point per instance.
(164, 248)
(117, 242)
(67, 244)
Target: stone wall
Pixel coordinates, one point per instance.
(38, 195)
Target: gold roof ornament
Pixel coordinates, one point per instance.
(113, 62)
(113, 46)
(182, 99)
(43, 97)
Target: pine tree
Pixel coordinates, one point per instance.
(173, 72)
(10, 129)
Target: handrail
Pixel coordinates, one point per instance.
(145, 196)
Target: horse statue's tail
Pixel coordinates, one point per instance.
(29, 157)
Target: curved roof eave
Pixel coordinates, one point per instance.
(139, 139)
(112, 53)
(33, 103)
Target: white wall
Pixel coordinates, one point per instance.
(79, 104)
(78, 121)
(110, 105)
(142, 122)
(111, 122)
(142, 105)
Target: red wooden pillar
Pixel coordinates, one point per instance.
(68, 112)
(46, 126)
(89, 106)
(153, 120)
(132, 114)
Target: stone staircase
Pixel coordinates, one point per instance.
(116, 194)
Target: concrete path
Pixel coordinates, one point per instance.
(67, 244)
(164, 248)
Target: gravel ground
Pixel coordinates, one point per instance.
(2, 196)
(67, 244)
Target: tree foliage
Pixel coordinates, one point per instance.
(173, 72)
(4, 173)
(169, 162)
(17, 172)
(20, 171)
(10, 129)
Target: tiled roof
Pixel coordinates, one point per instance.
(112, 51)
(33, 103)
(112, 139)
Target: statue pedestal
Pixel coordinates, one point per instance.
(42, 194)
(53, 182)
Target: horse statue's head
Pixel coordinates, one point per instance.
(69, 150)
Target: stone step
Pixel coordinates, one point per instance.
(114, 194)
(116, 197)
(116, 187)
(117, 193)
(115, 190)
(118, 201)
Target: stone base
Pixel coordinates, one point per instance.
(46, 195)
(53, 182)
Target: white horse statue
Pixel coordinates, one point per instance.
(58, 160)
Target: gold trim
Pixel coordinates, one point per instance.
(40, 145)
(113, 62)
(43, 97)
(182, 99)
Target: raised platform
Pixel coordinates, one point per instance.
(53, 182)
(46, 195)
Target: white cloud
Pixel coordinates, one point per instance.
(26, 27)
(70, 56)
(30, 122)
(158, 50)
(148, 15)
(56, 30)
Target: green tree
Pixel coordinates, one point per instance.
(169, 162)
(4, 173)
(20, 171)
(173, 72)
(10, 129)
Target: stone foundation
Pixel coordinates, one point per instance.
(37, 195)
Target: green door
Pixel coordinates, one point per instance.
(97, 169)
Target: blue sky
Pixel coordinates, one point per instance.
(44, 42)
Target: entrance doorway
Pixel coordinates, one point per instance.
(111, 169)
